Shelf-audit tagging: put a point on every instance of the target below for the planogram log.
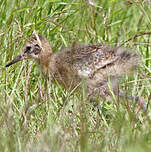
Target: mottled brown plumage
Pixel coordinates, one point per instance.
(97, 65)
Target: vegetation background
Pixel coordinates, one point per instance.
(36, 115)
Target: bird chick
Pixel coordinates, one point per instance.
(98, 65)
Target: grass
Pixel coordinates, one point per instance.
(37, 116)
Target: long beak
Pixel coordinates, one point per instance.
(18, 58)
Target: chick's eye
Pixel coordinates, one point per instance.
(28, 49)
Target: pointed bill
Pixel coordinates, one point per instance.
(18, 58)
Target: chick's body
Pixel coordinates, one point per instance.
(98, 65)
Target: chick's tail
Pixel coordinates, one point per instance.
(128, 61)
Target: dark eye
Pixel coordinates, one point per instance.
(28, 49)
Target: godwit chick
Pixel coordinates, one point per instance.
(98, 65)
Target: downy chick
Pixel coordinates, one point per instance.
(98, 65)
